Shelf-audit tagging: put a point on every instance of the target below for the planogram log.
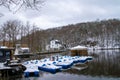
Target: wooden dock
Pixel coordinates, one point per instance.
(4, 71)
(24, 55)
(50, 52)
(11, 69)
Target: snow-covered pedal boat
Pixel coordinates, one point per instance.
(82, 59)
(49, 68)
(64, 64)
(31, 69)
(89, 58)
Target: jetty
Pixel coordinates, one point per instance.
(50, 52)
(10, 69)
(53, 65)
(8, 65)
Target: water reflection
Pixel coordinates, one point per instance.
(104, 66)
(105, 63)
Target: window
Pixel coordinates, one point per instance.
(7, 54)
(1, 53)
(26, 51)
(57, 42)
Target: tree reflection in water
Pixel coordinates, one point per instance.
(105, 63)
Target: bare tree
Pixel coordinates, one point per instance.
(3, 35)
(28, 33)
(16, 5)
(10, 32)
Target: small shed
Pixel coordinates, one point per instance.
(79, 51)
(6, 53)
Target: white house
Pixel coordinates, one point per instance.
(54, 45)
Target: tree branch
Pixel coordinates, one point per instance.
(16, 5)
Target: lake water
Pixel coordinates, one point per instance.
(104, 66)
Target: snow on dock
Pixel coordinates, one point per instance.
(58, 64)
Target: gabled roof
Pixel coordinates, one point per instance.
(78, 48)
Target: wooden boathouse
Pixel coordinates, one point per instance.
(79, 51)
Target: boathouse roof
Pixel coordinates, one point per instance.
(78, 48)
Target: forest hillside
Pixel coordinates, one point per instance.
(104, 33)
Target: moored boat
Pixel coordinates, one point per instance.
(31, 69)
(49, 68)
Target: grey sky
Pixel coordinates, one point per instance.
(56, 13)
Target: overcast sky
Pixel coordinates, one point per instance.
(55, 13)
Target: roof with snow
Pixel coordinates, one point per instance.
(3, 47)
(78, 47)
(24, 48)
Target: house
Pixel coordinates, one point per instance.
(54, 45)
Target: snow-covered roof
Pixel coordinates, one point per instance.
(23, 48)
(55, 40)
(3, 47)
(78, 47)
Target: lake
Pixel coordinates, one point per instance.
(104, 66)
